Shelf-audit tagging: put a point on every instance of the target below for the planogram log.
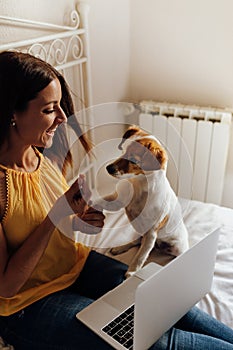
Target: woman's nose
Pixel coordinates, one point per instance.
(61, 115)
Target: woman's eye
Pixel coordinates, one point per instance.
(49, 111)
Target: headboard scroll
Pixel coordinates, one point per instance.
(63, 46)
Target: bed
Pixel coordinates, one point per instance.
(67, 48)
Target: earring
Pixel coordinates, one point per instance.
(13, 123)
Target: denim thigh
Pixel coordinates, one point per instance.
(50, 323)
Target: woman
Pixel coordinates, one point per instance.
(45, 277)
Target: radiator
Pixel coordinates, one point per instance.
(197, 141)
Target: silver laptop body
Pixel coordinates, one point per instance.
(160, 295)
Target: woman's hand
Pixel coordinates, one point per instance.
(78, 196)
(91, 222)
(74, 201)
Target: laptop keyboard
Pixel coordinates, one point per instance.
(121, 328)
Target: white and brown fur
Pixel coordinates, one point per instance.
(153, 208)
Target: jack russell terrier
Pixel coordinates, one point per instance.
(149, 201)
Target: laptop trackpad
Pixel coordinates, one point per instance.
(123, 295)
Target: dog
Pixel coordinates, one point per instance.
(149, 201)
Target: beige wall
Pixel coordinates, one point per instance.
(182, 51)
(177, 51)
(109, 22)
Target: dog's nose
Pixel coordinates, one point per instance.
(111, 169)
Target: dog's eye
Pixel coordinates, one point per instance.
(134, 160)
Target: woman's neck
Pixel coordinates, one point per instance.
(25, 160)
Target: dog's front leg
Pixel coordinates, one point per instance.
(118, 199)
(125, 247)
(147, 244)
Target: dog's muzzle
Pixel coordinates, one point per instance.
(111, 169)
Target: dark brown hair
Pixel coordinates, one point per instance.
(22, 77)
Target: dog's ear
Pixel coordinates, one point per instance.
(155, 158)
(132, 130)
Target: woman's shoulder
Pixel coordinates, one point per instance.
(51, 171)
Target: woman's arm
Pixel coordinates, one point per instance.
(15, 269)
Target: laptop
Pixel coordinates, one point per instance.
(153, 299)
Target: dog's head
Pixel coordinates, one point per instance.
(142, 153)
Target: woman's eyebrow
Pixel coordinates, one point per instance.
(50, 102)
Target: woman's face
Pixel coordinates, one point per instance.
(37, 124)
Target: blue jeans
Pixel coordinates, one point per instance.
(198, 331)
(50, 323)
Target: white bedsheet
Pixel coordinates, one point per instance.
(200, 219)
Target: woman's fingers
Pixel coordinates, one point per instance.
(78, 195)
(74, 201)
(91, 222)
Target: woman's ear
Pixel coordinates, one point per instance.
(13, 120)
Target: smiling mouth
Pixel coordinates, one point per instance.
(51, 132)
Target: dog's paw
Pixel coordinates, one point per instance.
(117, 250)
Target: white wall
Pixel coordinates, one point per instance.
(182, 50)
(109, 22)
(174, 50)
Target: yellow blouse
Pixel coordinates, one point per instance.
(30, 196)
